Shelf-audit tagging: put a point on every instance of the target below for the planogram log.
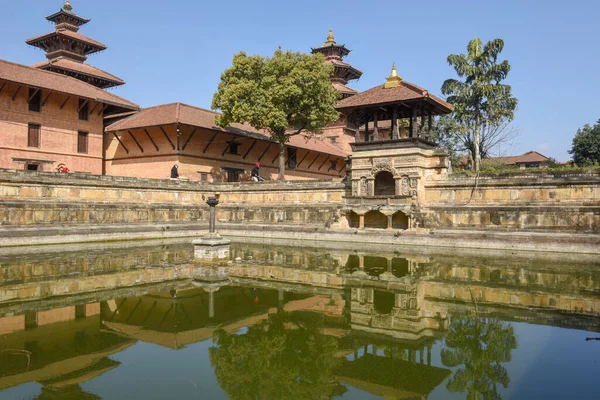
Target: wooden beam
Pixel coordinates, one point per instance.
(250, 149)
(313, 161)
(3, 85)
(136, 142)
(103, 109)
(83, 105)
(307, 152)
(33, 95)
(152, 140)
(209, 142)
(119, 140)
(227, 147)
(65, 102)
(16, 93)
(189, 138)
(264, 152)
(343, 166)
(167, 136)
(46, 99)
(94, 109)
(328, 156)
(276, 157)
(177, 135)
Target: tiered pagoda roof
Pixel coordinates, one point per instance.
(343, 72)
(67, 50)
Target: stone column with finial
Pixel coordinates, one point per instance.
(212, 247)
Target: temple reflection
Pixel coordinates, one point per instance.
(372, 320)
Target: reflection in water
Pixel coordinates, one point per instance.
(280, 358)
(284, 323)
(478, 346)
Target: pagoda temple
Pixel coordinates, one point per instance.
(67, 50)
(343, 72)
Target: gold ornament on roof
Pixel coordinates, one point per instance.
(330, 39)
(393, 80)
(67, 6)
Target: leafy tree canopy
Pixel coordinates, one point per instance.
(479, 345)
(285, 95)
(586, 145)
(481, 102)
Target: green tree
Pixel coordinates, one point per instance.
(277, 359)
(479, 345)
(285, 95)
(586, 145)
(482, 104)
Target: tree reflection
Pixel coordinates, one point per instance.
(479, 345)
(278, 359)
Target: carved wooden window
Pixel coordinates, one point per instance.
(33, 135)
(291, 163)
(82, 142)
(84, 109)
(35, 100)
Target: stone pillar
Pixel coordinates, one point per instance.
(389, 225)
(421, 355)
(212, 247)
(395, 127)
(413, 123)
(361, 221)
(428, 354)
(375, 128)
(397, 186)
(211, 302)
(370, 187)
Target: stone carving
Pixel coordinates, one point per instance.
(407, 301)
(365, 162)
(405, 160)
(405, 186)
(363, 187)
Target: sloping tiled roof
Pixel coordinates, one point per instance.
(343, 88)
(65, 63)
(70, 34)
(168, 114)
(380, 95)
(529, 157)
(38, 78)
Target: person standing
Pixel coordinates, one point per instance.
(256, 173)
(175, 172)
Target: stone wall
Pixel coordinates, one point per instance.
(28, 198)
(567, 200)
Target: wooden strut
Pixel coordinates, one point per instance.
(3, 85)
(189, 138)
(119, 140)
(16, 93)
(307, 152)
(228, 146)
(167, 136)
(328, 156)
(250, 149)
(277, 156)
(209, 142)
(152, 140)
(46, 99)
(343, 166)
(94, 109)
(265, 152)
(136, 142)
(33, 95)
(313, 161)
(65, 102)
(83, 105)
(103, 109)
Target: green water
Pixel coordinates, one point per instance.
(114, 322)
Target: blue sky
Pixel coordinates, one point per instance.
(176, 50)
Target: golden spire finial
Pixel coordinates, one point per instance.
(330, 39)
(393, 80)
(67, 6)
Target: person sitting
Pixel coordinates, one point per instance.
(256, 173)
(175, 172)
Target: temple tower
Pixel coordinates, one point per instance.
(67, 49)
(343, 73)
